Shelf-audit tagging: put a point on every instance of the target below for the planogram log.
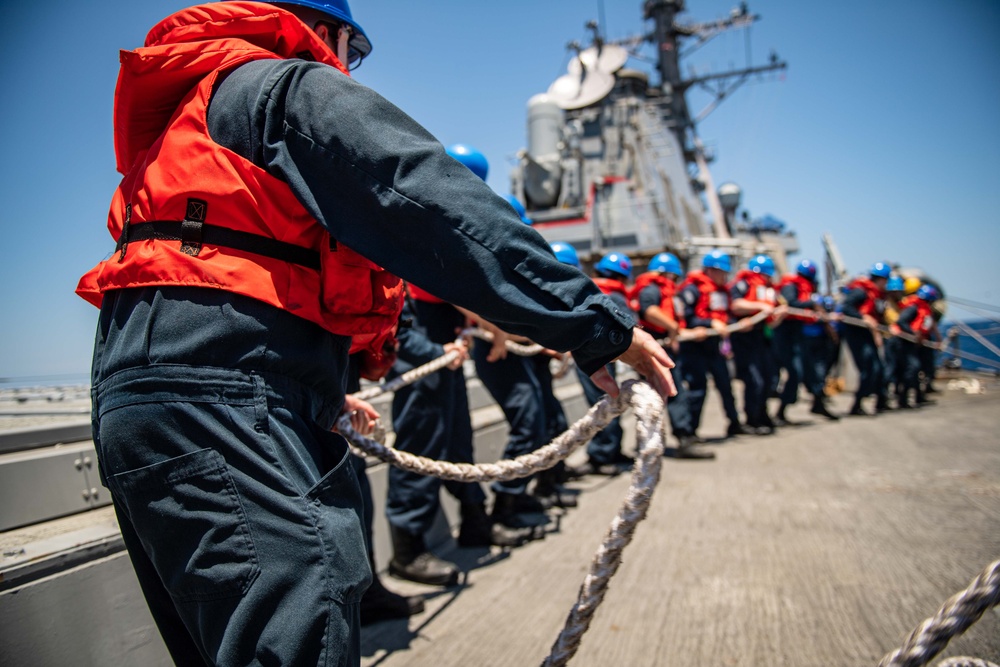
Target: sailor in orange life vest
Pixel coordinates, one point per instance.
(798, 290)
(431, 419)
(511, 381)
(604, 451)
(891, 360)
(916, 318)
(865, 300)
(706, 305)
(751, 292)
(263, 193)
(654, 298)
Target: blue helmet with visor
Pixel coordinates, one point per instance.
(617, 263)
(761, 264)
(358, 44)
(565, 253)
(471, 158)
(666, 262)
(519, 207)
(717, 259)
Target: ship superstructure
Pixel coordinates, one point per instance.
(614, 161)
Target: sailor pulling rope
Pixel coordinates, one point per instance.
(955, 616)
(649, 415)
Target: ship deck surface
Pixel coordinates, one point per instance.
(825, 544)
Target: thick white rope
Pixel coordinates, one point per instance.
(957, 614)
(443, 361)
(646, 473)
(736, 327)
(408, 377)
(517, 348)
(543, 458)
(885, 331)
(953, 618)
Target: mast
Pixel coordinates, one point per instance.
(666, 37)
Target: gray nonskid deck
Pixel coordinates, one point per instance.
(823, 545)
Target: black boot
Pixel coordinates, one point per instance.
(551, 493)
(819, 408)
(735, 428)
(412, 561)
(475, 528)
(687, 450)
(518, 510)
(857, 410)
(882, 404)
(380, 604)
(478, 530)
(779, 416)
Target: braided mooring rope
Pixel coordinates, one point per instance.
(408, 377)
(517, 348)
(645, 475)
(964, 661)
(649, 436)
(953, 618)
(434, 366)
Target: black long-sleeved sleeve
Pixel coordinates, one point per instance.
(385, 187)
(906, 319)
(853, 301)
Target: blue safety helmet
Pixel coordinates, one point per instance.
(615, 262)
(666, 262)
(471, 158)
(358, 46)
(807, 269)
(880, 270)
(717, 260)
(928, 293)
(519, 207)
(565, 253)
(895, 284)
(762, 264)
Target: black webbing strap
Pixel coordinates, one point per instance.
(193, 233)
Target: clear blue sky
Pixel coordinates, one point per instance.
(883, 131)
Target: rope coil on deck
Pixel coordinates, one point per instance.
(648, 408)
(953, 618)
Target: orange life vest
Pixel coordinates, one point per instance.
(611, 286)
(713, 300)
(668, 289)
(874, 303)
(804, 290)
(924, 320)
(759, 288)
(191, 213)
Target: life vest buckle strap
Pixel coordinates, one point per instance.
(192, 226)
(173, 230)
(123, 239)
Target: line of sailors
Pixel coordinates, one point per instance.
(800, 334)
(431, 417)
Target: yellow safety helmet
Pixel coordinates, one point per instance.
(911, 285)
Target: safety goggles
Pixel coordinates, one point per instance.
(345, 36)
